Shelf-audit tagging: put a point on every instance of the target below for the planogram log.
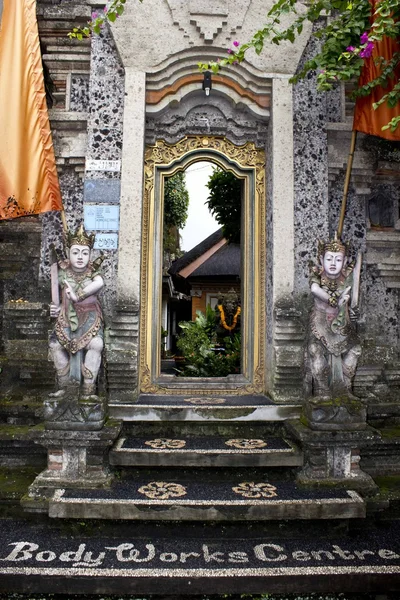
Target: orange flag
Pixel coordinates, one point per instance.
(366, 119)
(28, 177)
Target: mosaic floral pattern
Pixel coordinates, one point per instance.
(250, 489)
(246, 444)
(205, 400)
(162, 490)
(165, 443)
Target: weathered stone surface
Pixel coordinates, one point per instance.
(335, 414)
(331, 458)
(74, 459)
(102, 190)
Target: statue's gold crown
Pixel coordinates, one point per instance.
(334, 245)
(80, 238)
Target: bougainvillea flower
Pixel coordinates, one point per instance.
(367, 51)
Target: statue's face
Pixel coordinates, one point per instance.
(333, 263)
(79, 257)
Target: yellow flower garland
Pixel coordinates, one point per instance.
(235, 318)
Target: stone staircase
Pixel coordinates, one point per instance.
(204, 459)
(204, 499)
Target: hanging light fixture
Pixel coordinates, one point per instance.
(207, 82)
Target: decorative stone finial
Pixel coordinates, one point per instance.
(334, 245)
(80, 238)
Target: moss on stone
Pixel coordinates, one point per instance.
(304, 421)
(14, 482)
(390, 432)
(11, 432)
(352, 404)
(389, 486)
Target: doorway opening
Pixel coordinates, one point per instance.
(201, 279)
(242, 300)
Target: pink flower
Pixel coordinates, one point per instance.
(105, 10)
(367, 52)
(229, 51)
(94, 16)
(235, 62)
(236, 43)
(364, 38)
(350, 48)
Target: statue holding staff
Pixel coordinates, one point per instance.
(333, 347)
(76, 343)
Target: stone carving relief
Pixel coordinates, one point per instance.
(208, 18)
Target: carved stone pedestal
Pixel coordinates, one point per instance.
(331, 434)
(344, 413)
(73, 414)
(76, 459)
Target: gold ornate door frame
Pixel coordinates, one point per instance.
(247, 163)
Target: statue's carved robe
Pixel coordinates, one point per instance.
(332, 336)
(78, 323)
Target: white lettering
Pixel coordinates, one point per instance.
(213, 556)
(361, 553)
(46, 556)
(238, 557)
(300, 555)
(185, 555)
(73, 556)
(317, 554)
(259, 551)
(168, 557)
(387, 554)
(342, 553)
(22, 551)
(88, 561)
(134, 554)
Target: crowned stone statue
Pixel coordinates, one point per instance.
(333, 347)
(76, 343)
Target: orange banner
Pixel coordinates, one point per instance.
(366, 119)
(28, 177)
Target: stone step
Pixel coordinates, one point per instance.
(384, 455)
(20, 410)
(17, 449)
(168, 560)
(205, 451)
(204, 409)
(197, 495)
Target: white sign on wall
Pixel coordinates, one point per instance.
(106, 241)
(102, 165)
(101, 217)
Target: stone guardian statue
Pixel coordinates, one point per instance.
(333, 347)
(76, 343)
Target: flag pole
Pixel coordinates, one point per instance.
(347, 183)
(64, 220)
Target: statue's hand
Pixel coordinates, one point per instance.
(54, 310)
(345, 296)
(354, 314)
(69, 292)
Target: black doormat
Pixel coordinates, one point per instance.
(40, 557)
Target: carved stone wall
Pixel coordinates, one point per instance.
(95, 82)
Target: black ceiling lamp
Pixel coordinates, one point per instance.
(207, 82)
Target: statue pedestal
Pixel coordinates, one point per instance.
(331, 435)
(71, 414)
(343, 413)
(76, 459)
